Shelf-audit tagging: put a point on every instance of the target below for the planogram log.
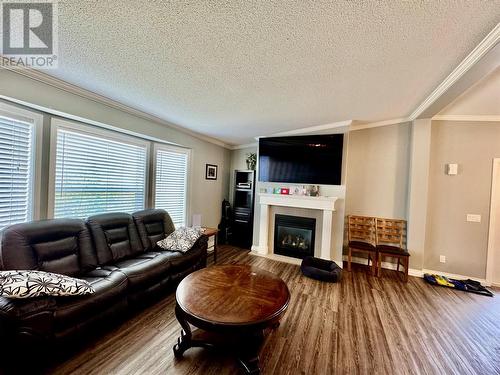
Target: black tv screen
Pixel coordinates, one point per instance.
(311, 159)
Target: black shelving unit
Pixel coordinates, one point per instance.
(243, 202)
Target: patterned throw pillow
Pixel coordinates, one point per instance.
(181, 239)
(28, 284)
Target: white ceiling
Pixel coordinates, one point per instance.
(234, 70)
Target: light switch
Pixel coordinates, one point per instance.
(474, 218)
(452, 169)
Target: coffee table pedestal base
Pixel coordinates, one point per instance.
(244, 346)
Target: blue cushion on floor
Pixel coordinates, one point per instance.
(320, 269)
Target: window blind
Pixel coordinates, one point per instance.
(96, 174)
(171, 184)
(16, 171)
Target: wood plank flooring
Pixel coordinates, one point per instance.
(363, 325)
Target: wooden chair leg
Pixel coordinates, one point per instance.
(379, 263)
(349, 259)
(407, 267)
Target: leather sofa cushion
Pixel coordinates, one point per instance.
(143, 270)
(153, 225)
(115, 237)
(60, 246)
(109, 287)
(180, 261)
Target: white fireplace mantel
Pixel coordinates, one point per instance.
(325, 204)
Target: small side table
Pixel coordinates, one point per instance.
(209, 232)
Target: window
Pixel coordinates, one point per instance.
(97, 171)
(170, 189)
(17, 165)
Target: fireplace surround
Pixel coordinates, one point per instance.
(294, 236)
(323, 203)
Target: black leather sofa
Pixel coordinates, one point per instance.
(115, 252)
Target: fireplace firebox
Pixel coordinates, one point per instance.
(294, 236)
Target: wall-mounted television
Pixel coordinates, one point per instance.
(310, 159)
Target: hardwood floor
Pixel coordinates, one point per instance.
(363, 325)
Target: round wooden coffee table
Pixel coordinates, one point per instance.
(233, 306)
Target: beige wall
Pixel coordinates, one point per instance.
(377, 171)
(473, 146)
(418, 190)
(481, 99)
(206, 195)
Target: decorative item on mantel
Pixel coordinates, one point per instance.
(251, 161)
(312, 190)
(300, 190)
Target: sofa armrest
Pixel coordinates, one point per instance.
(201, 244)
(23, 307)
(26, 320)
(26, 326)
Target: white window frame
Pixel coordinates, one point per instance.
(59, 123)
(161, 146)
(20, 114)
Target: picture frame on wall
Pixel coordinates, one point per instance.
(211, 172)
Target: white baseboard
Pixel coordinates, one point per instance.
(282, 258)
(420, 273)
(279, 258)
(386, 265)
(455, 276)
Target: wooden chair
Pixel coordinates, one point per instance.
(390, 234)
(362, 239)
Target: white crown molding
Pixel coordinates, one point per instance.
(247, 145)
(350, 125)
(360, 125)
(468, 118)
(310, 129)
(472, 58)
(86, 94)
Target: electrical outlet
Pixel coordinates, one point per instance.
(474, 218)
(442, 259)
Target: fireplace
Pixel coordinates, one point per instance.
(294, 236)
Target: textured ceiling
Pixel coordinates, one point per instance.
(237, 69)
